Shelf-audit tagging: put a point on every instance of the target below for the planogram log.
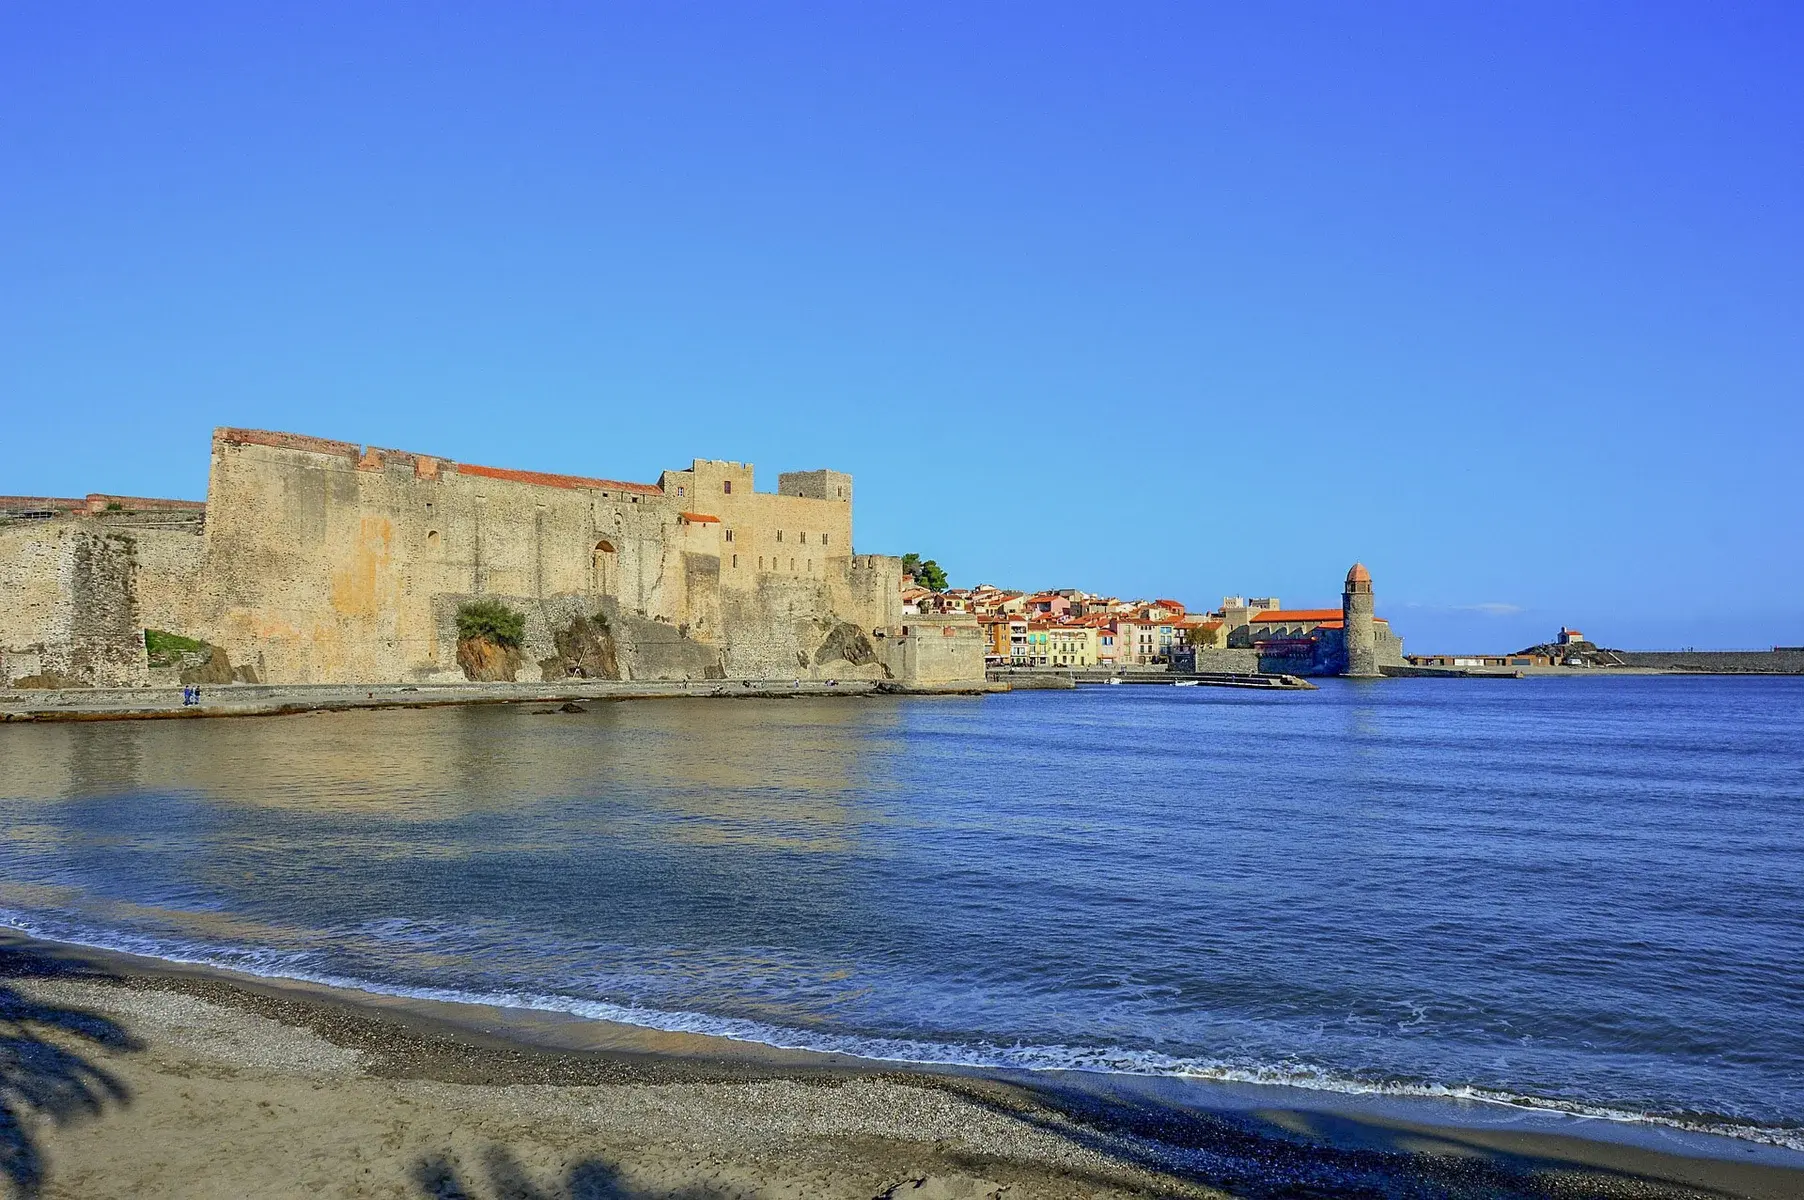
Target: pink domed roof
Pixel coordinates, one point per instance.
(1359, 574)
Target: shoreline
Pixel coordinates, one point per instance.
(272, 700)
(1041, 1133)
(34, 706)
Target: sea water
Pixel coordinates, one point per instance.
(1582, 894)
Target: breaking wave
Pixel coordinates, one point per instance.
(980, 1055)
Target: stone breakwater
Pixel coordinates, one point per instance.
(102, 704)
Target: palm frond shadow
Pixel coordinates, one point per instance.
(439, 1179)
(40, 1075)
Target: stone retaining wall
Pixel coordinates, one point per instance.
(1728, 662)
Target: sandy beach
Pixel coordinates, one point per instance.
(129, 1077)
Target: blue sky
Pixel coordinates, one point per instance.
(1157, 299)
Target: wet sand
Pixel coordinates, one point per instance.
(122, 1076)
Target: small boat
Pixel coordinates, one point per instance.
(1112, 679)
(1188, 683)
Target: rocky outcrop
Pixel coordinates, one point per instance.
(846, 642)
(46, 681)
(585, 649)
(211, 664)
(485, 662)
(657, 649)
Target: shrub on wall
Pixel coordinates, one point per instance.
(166, 649)
(490, 621)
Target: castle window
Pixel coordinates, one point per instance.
(735, 561)
(804, 536)
(729, 535)
(792, 565)
(726, 487)
(779, 535)
(679, 489)
(635, 499)
(761, 562)
(432, 539)
(823, 539)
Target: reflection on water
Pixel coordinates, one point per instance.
(1584, 892)
(722, 773)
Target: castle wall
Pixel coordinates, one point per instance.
(330, 563)
(935, 651)
(167, 564)
(326, 562)
(1236, 660)
(31, 579)
(71, 606)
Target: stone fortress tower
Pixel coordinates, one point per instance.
(1356, 619)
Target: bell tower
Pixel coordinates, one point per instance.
(1356, 604)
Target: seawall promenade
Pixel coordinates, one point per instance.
(253, 700)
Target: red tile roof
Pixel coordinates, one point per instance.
(1324, 618)
(699, 518)
(372, 457)
(542, 479)
(1291, 616)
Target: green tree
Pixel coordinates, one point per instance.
(928, 574)
(490, 621)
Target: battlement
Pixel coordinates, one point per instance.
(93, 502)
(285, 441)
(39, 506)
(100, 502)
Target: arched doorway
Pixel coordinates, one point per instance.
(604, 573)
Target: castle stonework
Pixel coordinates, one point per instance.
(317, 561)
(1356, 603)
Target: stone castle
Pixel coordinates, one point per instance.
(316, 561)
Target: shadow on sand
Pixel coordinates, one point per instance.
(1284, 1154)
(508, 1180)
(40, 1075)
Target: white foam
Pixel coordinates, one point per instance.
(915, 1052)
